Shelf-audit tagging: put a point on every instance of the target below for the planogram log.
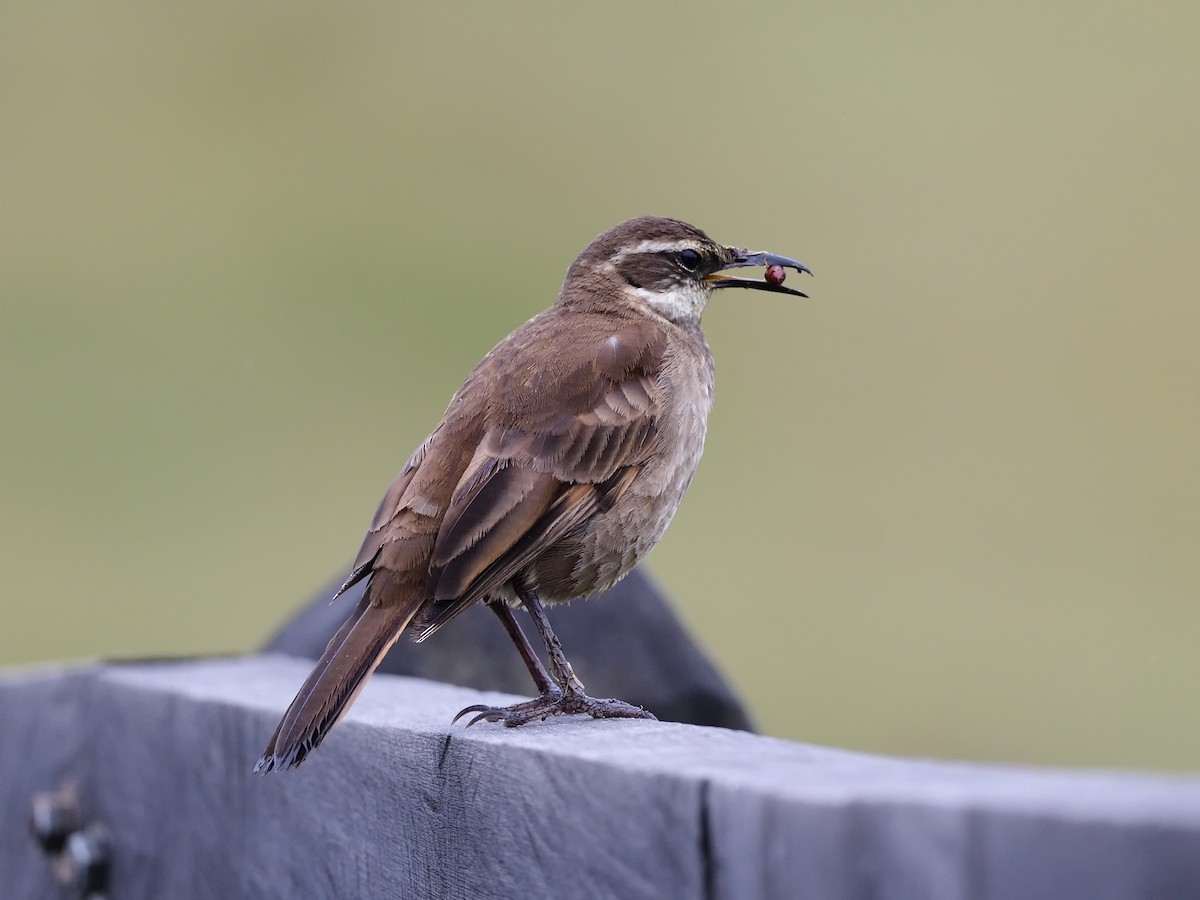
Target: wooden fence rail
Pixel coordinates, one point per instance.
(396, 803)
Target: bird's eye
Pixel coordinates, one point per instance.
(689, 259)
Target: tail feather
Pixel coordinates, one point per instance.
(336, 680)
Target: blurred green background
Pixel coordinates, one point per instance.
(950, 506)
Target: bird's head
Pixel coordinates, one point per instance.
(668, 266)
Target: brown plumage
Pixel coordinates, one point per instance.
(557, 466)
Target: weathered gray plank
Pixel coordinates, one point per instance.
(396, 803)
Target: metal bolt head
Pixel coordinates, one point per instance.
(54, 816)
(89, 854)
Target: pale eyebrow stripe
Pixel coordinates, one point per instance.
(657, 247)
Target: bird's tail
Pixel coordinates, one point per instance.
(351, 656)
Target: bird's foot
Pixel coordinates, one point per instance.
(554, 703)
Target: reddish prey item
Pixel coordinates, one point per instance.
(774, 274)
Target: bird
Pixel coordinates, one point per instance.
(555, 469)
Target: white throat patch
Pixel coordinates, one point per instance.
(683, 304)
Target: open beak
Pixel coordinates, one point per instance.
(744, 258)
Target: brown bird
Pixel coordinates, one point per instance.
(556, 468)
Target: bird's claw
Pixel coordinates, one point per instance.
(512, 716)
(557, 703)
(484, 712)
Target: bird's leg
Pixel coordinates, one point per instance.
(562, 693)
(548, 691)
(560, 668)
(536, 670)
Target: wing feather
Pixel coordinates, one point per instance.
(549, 460)
(572, 507)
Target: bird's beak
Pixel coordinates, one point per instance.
(742, 258)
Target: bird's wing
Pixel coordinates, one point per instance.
(566, 436)
(391, 524)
